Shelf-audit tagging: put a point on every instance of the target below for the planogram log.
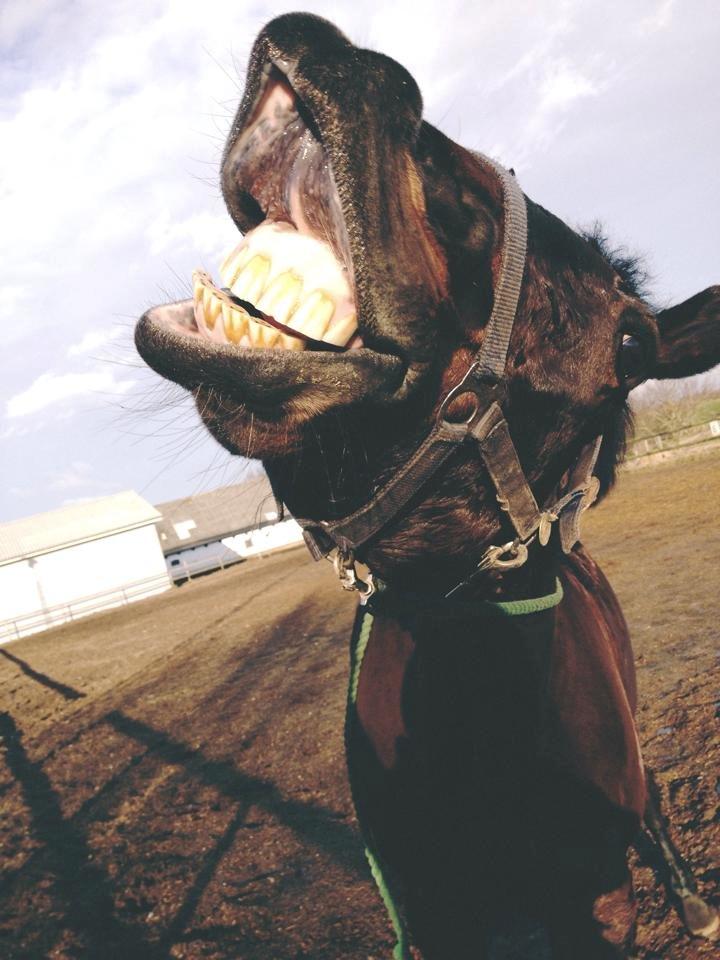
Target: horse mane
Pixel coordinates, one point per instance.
(630, 265)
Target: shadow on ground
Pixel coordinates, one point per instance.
(172, 776)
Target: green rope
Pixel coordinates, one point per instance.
(516, 608)
(359, 655)
(387, 600)
(402, 948)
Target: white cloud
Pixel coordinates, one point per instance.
(553, 87)
(13, 430)
(73, 501)
(79, 474)
(51, 389)
(93, 340)
(205, 234)
(11, 298)
(659, 19)
(16, 18)
(562, 86)
(99, 145)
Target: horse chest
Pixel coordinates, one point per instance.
(480, 741)
(451, 705)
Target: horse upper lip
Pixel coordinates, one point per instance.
(277, 181)
(165, 337)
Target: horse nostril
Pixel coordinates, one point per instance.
(520, 359)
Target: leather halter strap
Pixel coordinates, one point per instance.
(486, 426)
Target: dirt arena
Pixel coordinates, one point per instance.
(172, 780)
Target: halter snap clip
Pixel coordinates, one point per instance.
(344, 566)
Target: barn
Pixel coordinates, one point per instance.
(66, 563)
(217, 528)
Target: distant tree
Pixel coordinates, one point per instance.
(667, 406)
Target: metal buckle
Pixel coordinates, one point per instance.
(344, 567)
(507, 557)
(547, 519)
(485, 386)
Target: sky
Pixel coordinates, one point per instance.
(112, 120)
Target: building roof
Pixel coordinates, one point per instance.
(76, 523)
(216, 514)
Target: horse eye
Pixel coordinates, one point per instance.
(632, 358)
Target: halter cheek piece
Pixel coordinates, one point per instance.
(487, 428)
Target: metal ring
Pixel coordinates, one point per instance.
(453, 395)
(518, 556)
(465, 386)
(470, 383)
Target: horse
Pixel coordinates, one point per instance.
(434, 371)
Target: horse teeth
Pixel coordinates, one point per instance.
(284, 249)
(233, 265)
(255, 333)
(341, 332)
(198, 302)
(279, 301)
(235, 322)
(199, 311)
(313, 315)
(251, 281)
(212, 308)
(290, 343)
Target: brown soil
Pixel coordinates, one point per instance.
(172, 780)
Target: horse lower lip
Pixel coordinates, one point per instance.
(167, 338)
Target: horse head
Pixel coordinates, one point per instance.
(362, 291)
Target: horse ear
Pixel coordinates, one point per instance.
(689, 336)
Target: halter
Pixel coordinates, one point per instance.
(486, 427)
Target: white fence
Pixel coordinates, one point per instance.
(73, 610)
(698, 433)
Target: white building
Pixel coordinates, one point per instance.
(216, 529)
(61, 565)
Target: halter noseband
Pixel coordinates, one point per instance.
(486, 426)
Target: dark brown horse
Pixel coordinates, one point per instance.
(493, 755)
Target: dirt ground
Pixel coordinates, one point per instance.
(172, 779)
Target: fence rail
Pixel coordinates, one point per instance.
(697, 433)
(29, 623)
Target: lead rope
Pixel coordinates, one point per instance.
(509, 608)
(357, 654)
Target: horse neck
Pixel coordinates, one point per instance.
(536, 578)
(479, 609)
(444, 647)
